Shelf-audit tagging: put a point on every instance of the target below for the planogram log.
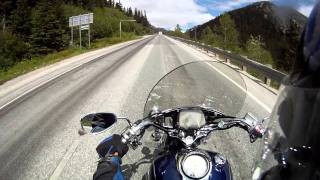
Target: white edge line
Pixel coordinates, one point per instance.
(53, 78)
(268, 109)
(41, 84)
(244, 90)
(60, 167)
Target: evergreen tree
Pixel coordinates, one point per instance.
(48, 27)
(108, 3)
(21, 19)
(130, 13)
(31, 28)
(6, 6)
(135, 16)
(119, 6)
(12, 50)
(207, 35)
(229, 33)
(292, 36)
(177, 28)
(178, 31)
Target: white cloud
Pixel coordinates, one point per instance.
(305, 9)
(223, 6)
(168, 13)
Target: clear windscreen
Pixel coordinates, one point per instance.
(203, 83)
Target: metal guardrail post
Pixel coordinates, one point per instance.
(267, 81)
(244, 68)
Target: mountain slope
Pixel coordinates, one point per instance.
(279, 28)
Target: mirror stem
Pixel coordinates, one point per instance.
(128, 121)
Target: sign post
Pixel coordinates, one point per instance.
(83, 22)
(80, 36)
(129, 20)
(89, 34)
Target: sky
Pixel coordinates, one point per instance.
(188, 13)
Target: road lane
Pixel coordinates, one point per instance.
(28, 129)
(40, 131)
(18, 87)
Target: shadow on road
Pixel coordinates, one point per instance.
(130, 169)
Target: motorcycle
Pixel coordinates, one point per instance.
(184, 108)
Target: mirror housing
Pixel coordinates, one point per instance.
(96, 122)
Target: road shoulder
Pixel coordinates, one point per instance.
(17, 87)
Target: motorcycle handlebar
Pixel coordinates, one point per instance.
(254, 129)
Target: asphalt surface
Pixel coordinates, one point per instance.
(39, 137)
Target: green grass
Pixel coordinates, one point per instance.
(38, 62)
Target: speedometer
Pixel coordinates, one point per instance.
(191, 119)
(195, 165)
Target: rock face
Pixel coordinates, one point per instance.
(279, 27)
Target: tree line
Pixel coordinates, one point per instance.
(37, 27)
(225, 36)
(277, 52)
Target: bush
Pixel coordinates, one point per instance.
(12, 50)
(255, 50)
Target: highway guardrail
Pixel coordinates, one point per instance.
(268, 73)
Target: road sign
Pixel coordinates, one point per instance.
(84, 27)
(91, 18)
(82, 19)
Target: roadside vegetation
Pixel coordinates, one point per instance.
(36, 62)
(36, 33)
(262, 31)
(226, 37)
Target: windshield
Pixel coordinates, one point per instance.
(199, 84)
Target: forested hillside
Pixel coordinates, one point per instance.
(262, 31)
(32, 28)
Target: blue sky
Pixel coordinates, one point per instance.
(188, 13)
(216, 7)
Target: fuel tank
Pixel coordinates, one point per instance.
(169, 166)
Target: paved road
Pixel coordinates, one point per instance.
(39, 137)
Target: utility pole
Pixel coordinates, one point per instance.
(129, 20)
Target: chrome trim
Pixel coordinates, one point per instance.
(181, 157)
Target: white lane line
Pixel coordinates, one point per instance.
(268, 109)
(57, 172)
(57, 76)
(34, 88)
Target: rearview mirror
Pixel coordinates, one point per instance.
(97, 122)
